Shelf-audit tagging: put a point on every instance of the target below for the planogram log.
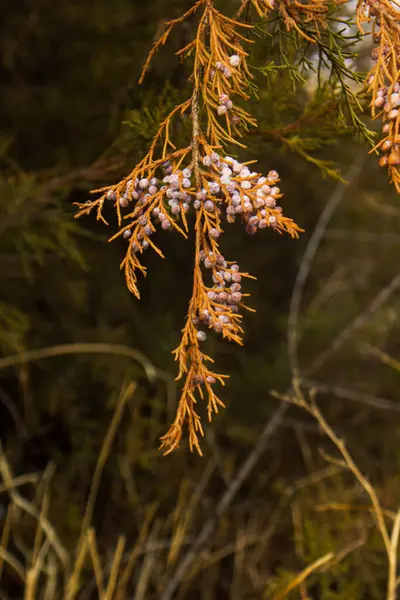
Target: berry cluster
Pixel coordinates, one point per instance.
(225, 102)
(230, 190)
(193, 187)
(384, 80)
(245, 193)
(223, 298)
(390, 102)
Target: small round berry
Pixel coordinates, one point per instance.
(127, 234)
(148, 231)
(262, 224)
(186, 183)
(145, 245)
(272, 220)
(222, 110)
(209, 206)
(165, 224)
(187, 172)
(185, 207)
(275, 191)
(201, 336)
(387, 144)
(124, 202)
(197, 204)
(204, 314)
(210, 379)
(270, 202)
(393, 114)
(379, 102)
(224, 319)
(153, 190)
(394, 158)
(235, 287)
(273, 176)
(142, 221)
(217, 327)
(383, 161)
(212, 296)
(201, 195)
(236, 277)
(176, 209)
(155, 212)
(223, 99)
(229, 105)
(227, 72)
(225, 180)
(234, 60)
(246, 185)
(143, 184)
(206, 161)
(235, 119)
(214, 233)
(236, 297)
(236, 200)
(111, 195)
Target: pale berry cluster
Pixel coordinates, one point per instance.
(223, 298)
(225, 103)
(231, 189)
(246, 194)
(172, 193)
(389, 101)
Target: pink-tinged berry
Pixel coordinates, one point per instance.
(234, 60)
(201, 336)
(143, 184)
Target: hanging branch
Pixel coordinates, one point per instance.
(383, 81)
(169, 184)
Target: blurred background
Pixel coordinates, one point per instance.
(86, 373)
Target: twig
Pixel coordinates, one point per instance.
(306, 261)
(304, 574)
(224, 503)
